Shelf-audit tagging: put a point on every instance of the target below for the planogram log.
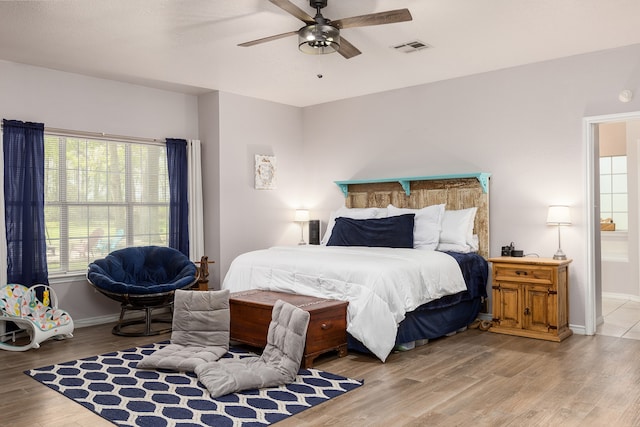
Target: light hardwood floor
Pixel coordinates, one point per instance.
(474, 378)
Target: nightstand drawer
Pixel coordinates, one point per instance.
(525, 273)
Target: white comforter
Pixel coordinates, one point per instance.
(380, 284)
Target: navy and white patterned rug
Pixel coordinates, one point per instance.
(112, 387)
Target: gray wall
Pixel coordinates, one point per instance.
(209, 126)
(524, 125)
(71, 101)
(249, 218)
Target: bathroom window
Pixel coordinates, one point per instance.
(613, 191)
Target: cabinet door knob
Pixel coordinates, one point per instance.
(527, 311)
(520, 272)
(325, 326)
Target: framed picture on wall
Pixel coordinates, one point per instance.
(265, 172)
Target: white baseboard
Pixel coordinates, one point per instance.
(110, 318)
(92, 321)
(614, 295)
(578, 329)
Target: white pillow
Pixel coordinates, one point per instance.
(463, 249)
(475, 243)
(452, 247)
(354, 213)
(457, 226)
(426, 227)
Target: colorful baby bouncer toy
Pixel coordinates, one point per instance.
(40, 319)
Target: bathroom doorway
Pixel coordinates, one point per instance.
(613, 143)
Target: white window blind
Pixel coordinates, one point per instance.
(102, 195)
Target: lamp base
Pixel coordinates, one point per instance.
(559, 255)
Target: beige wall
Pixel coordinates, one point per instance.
(612, 139)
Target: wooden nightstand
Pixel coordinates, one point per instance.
(531, 297)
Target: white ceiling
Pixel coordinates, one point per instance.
(191, 45)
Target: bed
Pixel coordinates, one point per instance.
(401, 290)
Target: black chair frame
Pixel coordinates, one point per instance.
(147, 303)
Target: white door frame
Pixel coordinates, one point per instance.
(591, 207)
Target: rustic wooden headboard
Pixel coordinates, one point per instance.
(456, 191)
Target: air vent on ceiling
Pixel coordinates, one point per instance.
(412, 46)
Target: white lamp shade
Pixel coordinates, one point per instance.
(559, 215)
(302, 215)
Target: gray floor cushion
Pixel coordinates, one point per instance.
(278, 364)
(200, 332)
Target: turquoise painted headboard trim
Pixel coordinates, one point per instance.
(483, 178)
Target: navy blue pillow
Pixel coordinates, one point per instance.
(391, 232)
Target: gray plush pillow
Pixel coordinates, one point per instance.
(278, 364)
(200, 332)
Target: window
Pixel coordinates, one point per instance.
(613, 190)
(102, 195)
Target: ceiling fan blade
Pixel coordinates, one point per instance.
(294, 10)
(388, 17)
(347, 50)
(268, 39)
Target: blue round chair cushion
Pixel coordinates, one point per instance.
(142, 270)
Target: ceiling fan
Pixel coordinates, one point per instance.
(321, 35)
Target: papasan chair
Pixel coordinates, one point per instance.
(142, 278)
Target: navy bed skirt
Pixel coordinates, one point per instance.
(445, 315)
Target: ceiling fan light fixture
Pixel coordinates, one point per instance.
(318, 39)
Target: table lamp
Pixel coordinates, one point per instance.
(301, 216)
(559, 215)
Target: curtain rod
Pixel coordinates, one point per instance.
(101, 135)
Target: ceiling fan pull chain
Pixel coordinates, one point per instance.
(319, 65)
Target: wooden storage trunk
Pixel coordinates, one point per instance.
(251, 316)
